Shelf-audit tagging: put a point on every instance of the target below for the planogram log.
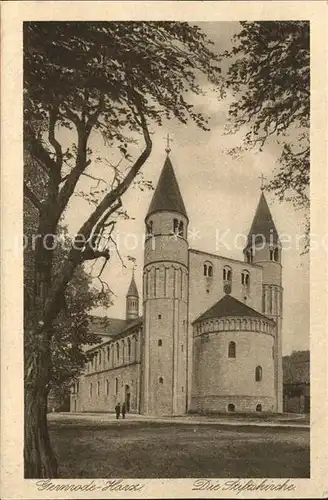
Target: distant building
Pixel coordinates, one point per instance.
(296, 370)
(209, 339)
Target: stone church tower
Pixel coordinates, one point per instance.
(264, 248)
(165, 300)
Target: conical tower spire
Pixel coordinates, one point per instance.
(167, 196)
(133, 290)
(263, 228)
(132, 300)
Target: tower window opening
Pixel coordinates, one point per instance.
(175, 226)
(208, 269)
(245, 279)
(106, 387)
(258, 374)
(276, 255)
(159, 316)
(231, 407)
(90, 389)
(98, 388)
(271, 253)
(117, 351)
(249, 256)
(227, 274)
(160, 342)
(149, 227)
(161, 380)
(232, 350)
(181, 347)
(116, 386)
(259, 407)
(180, 229)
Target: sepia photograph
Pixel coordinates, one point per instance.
(166, 253)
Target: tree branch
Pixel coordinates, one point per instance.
(74, 257)
(94, 117)
(52, 139)
(32, 197)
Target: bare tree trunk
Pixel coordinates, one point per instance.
(39, 458)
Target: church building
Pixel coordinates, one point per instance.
(209, 337)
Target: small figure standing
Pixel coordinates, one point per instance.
(118, 410)
(123, 410)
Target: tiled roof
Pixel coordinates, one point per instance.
(110, 328)
(229, 306)
(105, 326)
(262, 225)
(167, 195)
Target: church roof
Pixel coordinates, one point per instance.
(229, 306)
(110, 328)
(167, 195)
(133, 290)
(263, 225)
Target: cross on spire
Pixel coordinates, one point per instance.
(168, 139)
(262, 181)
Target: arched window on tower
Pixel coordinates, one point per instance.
(180, 230)
(175, 226)
(276, 255)
(232, 350)
(149, 227)
(227, 273)
(116, 386)
(245, 279)
(271, 253)
(258, 374)
(208, 269)
(249, 256)
(231, 407)
(117, 352)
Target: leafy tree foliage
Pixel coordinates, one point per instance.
(269, 76)
(71, 331)
(116, 80)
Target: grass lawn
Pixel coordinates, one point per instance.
(157, 450)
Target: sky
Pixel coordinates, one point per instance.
(220, 193)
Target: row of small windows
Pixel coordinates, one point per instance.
(106, 388)
(177, 227)
(227, 274)
(232, 408)
(122, 352)
(274, 255)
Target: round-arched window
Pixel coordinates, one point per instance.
(259, 407)
(258, 374)
(208, 269)
(232, 350)
(160, 380)
(231, 407)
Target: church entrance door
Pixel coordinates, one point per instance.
(127, 398)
